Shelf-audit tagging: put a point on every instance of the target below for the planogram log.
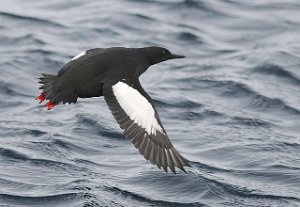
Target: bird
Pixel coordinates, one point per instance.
(114, 73)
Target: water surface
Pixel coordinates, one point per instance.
(231, 107)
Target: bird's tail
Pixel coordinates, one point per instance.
(48, 84)
(55, 91)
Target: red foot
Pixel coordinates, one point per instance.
(41, 97)
(50, 104)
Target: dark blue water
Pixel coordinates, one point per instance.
(232, 106)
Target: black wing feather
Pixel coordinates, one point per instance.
(157, 148)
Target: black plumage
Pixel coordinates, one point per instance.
(98, 72)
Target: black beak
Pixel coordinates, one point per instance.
(173, 56)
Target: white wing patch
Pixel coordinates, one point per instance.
(79, 55)
(137, 107)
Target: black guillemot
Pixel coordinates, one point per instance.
(114, 73)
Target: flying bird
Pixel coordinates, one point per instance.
(114, 73)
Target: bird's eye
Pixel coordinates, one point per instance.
(164, 52)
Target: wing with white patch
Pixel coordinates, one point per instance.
(134, 111)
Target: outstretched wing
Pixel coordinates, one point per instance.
(134, 111)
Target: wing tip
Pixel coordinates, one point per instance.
(180, 168)
(171, 160)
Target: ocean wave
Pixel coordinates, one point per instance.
(242, 92)
(125, 194)
(254, 122)
(188, 36)
(30, 20)
(12, 154)
(95, 127)
(198, 5)
(220, 105)
(67, 199)
(224, 190)
(179, 103)
(277, 71)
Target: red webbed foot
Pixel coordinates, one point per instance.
(50, 104)
(41, 97)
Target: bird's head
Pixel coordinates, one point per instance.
(156, 55)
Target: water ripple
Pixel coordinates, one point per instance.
(66, 199)
(125, 194)
(277, 71)
(231, 106)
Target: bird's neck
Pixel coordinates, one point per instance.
(147, 54)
